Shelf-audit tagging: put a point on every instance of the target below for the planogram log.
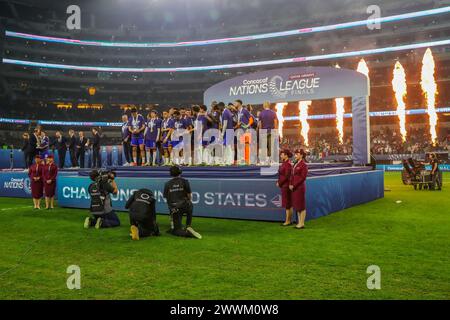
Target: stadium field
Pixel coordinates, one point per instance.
(409, 241)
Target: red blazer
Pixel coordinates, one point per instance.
(50, 172)
(33, 173)
(299, 174)
(284, 174)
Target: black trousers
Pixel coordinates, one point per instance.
(80, 157)
(437, 180)
(61, 157)
(96, 158)
(127, 151)
(177, 218)
(73, 157)
(146, 222)
(28, 157)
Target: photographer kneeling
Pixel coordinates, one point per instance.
(178, 194)
(142, 214)
(102, 213)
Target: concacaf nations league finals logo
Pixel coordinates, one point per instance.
(278, 87)
(18, 184)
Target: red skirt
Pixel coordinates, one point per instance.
(299, 198)
(50, 189)
(37, 189)
(286, 198)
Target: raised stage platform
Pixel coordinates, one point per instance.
(238, 192)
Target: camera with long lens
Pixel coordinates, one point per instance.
(105, 176)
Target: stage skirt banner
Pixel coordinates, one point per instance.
(15, 184)
(238, 198)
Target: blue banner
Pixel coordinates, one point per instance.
(238, 198)
(15, 184)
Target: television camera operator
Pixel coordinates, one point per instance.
(102, 214)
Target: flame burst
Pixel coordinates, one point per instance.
(303, 106)
(362, 67)
(340, 116)
(429, 88)
(279, 107)
(400, 89)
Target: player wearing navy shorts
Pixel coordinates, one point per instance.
(151, 136)
(136, 125)
(167, 126)
(202, 121)
(178, 124)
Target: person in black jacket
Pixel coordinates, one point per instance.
(81, 148)
(73, 148)
(142, 214)
(26, 149)
(178, 194)
(96, 144)
(34, 142)
(61, 146)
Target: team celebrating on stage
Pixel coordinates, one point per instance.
(151, 141)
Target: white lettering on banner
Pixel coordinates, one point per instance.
(18, 183)
(235, 199)
(208, 198)
(277, 86)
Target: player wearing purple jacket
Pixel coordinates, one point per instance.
(167, 126)
(136, 125)
(268, 121)
(151, 136)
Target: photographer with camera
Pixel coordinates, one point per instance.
(178, 194)
(142, 214)
(100, 190)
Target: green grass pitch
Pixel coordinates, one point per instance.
(409, 241)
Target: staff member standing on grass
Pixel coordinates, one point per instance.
(50, 171)
(435, 173)
(298, 187)
(35, 172)
(284, 177)
(178, 194)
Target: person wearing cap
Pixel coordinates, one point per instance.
(35, 172)
(136, 125)
(284, 176)
(152, 135)
(178, 194)
(298, 187)
(50, 171)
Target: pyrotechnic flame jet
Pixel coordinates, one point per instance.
(303, 106)
(400, 88)
(429, 89)
(279, 107)
(362, 67)
(340, 116)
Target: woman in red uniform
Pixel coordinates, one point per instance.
(49, 176)
(298, 187)
(35, 172)
(284, 176)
